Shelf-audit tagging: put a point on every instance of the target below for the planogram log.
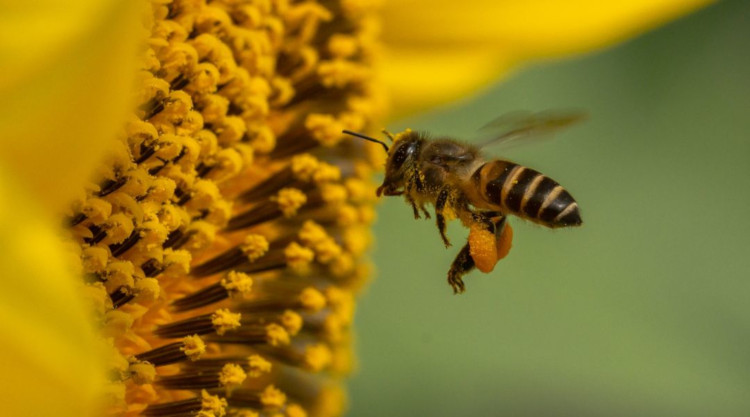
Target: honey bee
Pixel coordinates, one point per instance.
(461, 183)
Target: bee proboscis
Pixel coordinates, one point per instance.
(456, 178)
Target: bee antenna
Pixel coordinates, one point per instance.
(361, 136)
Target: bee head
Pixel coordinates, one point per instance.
(402, 156)
(401, 159)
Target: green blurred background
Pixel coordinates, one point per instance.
(645, 311)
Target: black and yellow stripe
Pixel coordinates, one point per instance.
(529, 194)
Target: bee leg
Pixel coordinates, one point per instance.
(413, 206)
(440, 219)
(460, 267)
(499, 225)
(425, 212)
(485, 220)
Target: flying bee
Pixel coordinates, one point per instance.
(461, 183)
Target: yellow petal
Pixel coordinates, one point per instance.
(65, 86)
(438, 50)
(50, 365)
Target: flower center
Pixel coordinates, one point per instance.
(223, 242)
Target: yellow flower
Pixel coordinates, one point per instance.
(439, 50)
(222, 239)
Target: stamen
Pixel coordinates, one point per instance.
(235, 284)
(191, 347)
(193, 406)
(231, 375)
(229, 92)
(271, 334)
(313, 356)
(270, 398)
(254, 365)
(218, 322)
(254, 247)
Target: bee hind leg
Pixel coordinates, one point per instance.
(442, 199)
(460, 267)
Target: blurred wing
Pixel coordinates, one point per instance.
(513, 128)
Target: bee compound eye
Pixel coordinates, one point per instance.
(401, 154)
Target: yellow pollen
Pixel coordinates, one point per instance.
(342, 46)
(97, 210)
(325, 128)
(148, 290)
(205, 193)
(291, 321)
(284, 91)
(137, 182)
(294, 410)
(232, 375)
(343, 360)
(311, 233)
(331, 401)
(401, 135)
(152, 234)
(326, 173)
(289, 201)
(118, 226)
(298, 257)
(357, 240)
(238, 284)
(257, 366)
(276, 335)
(193, 347)
(317, 357)
(327, 250)
(358, 190)
(176, 262)
(254, 246)
(220, 213)
(230, 162)
(142, 372)
(94, 258)
(367, 214)
(341, 302)
(348, 215)
(128, 206)
(202, 234)
(271, 397)
(241, 108)
(224, 320)
(333, 194)
(483, 248)
(118, 323)
(312, 299)
(339, 73)
(342, 265)
(161, 190)
(213, 403)
(172, 217)
(334, 328)
(304, 166)
(98, 299)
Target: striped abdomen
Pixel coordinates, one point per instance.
(527, 193)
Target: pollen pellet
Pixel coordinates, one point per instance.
(504, 242)
(483, 248)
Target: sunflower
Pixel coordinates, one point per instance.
(219, 245)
